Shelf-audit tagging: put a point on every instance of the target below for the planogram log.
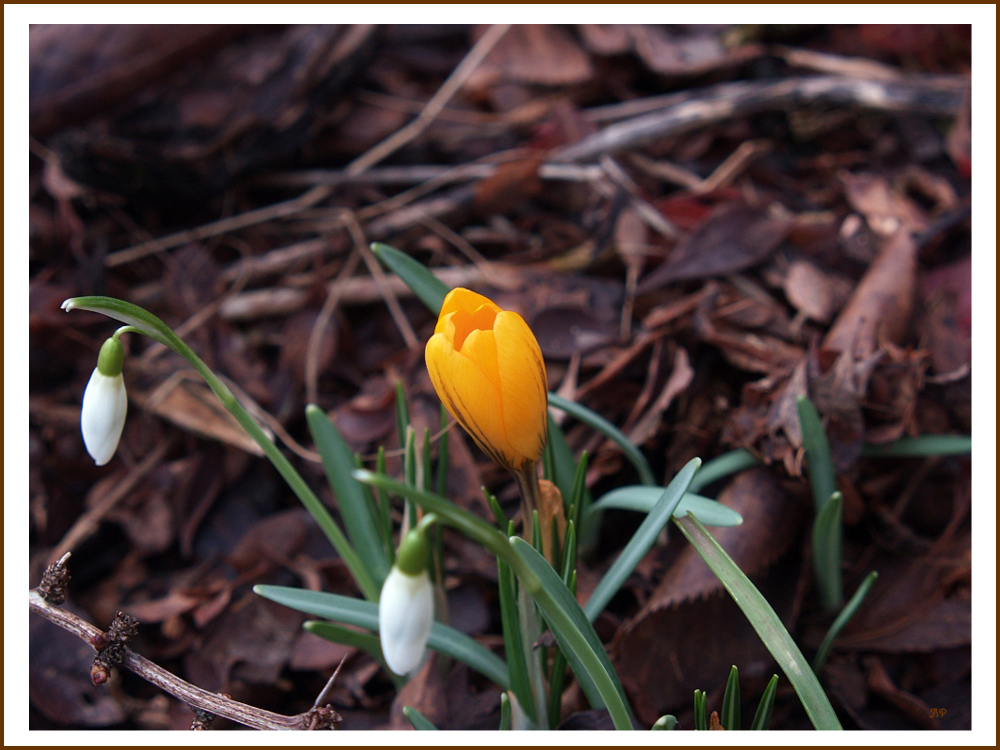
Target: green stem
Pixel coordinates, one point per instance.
(142, 321)
(553, 609)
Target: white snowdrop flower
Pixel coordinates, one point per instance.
(406, 606)
(105, 403)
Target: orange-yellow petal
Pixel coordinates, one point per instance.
(523, 385)
(470, 396)
(462, 299)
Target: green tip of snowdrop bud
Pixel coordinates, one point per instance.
(112, 357)
(406, 606)
(105, 403)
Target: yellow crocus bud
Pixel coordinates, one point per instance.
(487, 368)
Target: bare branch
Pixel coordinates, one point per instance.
(318, 717)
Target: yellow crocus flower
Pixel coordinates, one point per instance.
(487, 368)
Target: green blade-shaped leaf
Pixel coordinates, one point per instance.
(762, 719)
(576, 637)
(641, 540)
(429, 289)
(360, 519)
(335, 633)
(821, 474)
(417, 719)
(364, 614)
(599, 423)
(730, 718)
(517, 666)
(723, 466)
(641, 498)
(505, 713)
(925, 445)
(845, 614)
(827, 539)
(700, 710)
(764, 620)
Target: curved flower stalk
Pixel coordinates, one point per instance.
(487, 367)
(105, 404)
(406, 606)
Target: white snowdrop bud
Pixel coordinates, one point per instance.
(406, 606)
(105, 403)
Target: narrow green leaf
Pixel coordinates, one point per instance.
(599, 423)
(384, 508)
(471, 525)
(563, 463)
(505, 713)
(425, 460)
(841, 620)
(723, 466)
(359, 516)
(331, 631)
(402, 413)
(513, 646)
(762, 719)
(641, 540)
(642, 499)
(152, 326)
(417, 719)
(925, 445)
(827, 546)
(764, 620)
(730, 718)
(364, 614)
(700, 710)
(667, 722)
(821, 474)
(576, 637)
(429, 289)
(579, 497)
(442, 462)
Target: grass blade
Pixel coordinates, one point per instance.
(605, 427)
(925, 445)
(641, 540)
(576, 637)
(765, 621)
(360, 520)
(700, 710)
(364, 614)
(417, 719)
(827, 545)
(762, 719)
(643, 499)
(845, 614)
(505, 713)
(723, 466)
(821, 474)
(730, 718)
(429, 288)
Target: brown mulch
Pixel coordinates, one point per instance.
(701, 224)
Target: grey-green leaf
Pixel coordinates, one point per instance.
(364, 614)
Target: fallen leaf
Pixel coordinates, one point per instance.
(735, 237)
(881, 303)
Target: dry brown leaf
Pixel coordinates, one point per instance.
(736, 236)
(533, 54)
(881, 304)
(812, 292)
(690, 632)
(886, 210)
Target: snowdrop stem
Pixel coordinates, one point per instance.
(138, 320)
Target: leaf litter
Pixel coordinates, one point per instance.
(702, 223)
